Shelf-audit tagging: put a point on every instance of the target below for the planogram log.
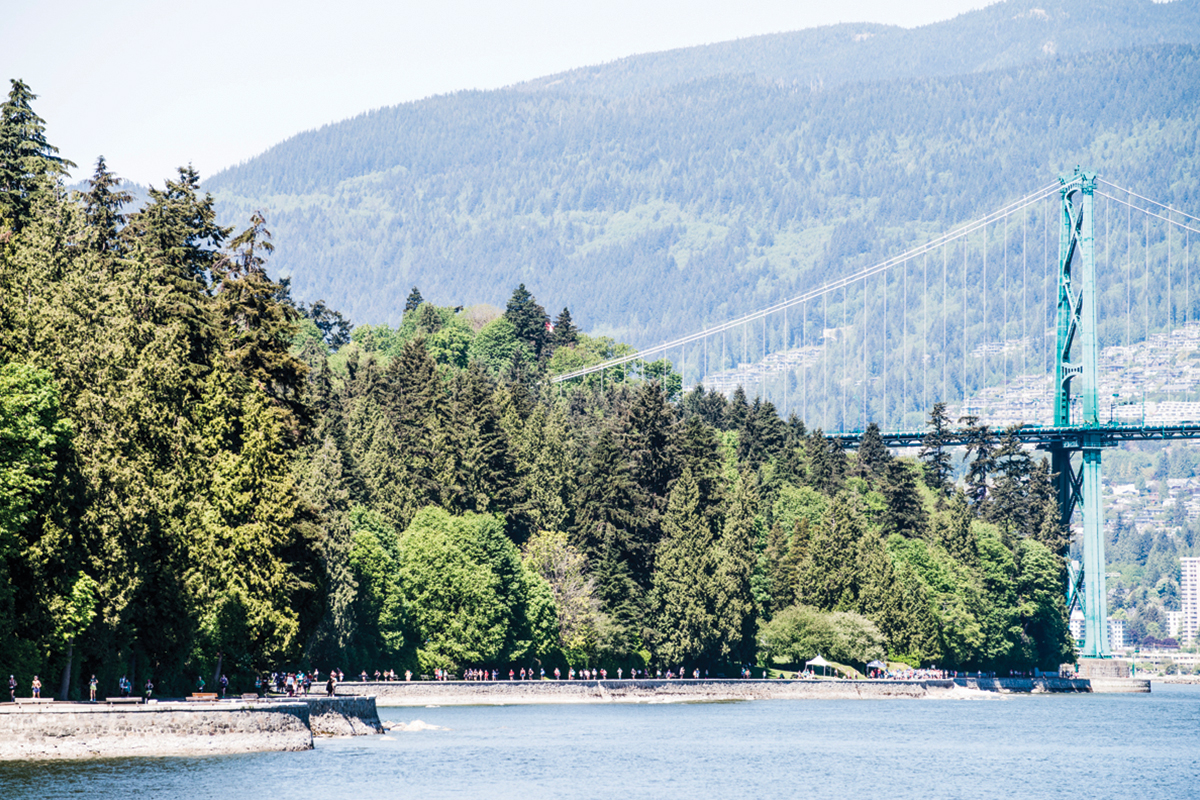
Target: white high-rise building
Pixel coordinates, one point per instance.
(1116, 634)
(1189, 586)
(1174, 623)
(1077, 625)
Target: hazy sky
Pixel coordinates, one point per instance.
(155, 84)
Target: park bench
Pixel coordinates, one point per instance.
(250, 697)
(123, 701)
(33, 700)
(203, 697)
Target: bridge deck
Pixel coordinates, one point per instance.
(1070, 437)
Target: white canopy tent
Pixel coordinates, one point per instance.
(819, 662)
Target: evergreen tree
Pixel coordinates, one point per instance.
(826, 463)
(28, 163)
(698, 453)
(829, 578)
(1013, 506)
(683, 591)
(762, 434)
(980, 448)
(904, 512)
(651, 439)
(710, 406)
(472, 463)
(606, 517)
(873, 456)
(335, 328)
(414, 300)
(734, 609)
(103, 203)
(933, 455)
(324, 485)
(737, 410)
(957, 534)
(529, 320)
(565, 332)
(258, 328)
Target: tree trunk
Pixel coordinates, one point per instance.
(65, 688)
(217, 672)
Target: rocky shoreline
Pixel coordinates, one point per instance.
(54, 731)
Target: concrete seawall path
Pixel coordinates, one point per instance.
(502, 692)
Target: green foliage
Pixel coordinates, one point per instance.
(580, 625)
(497, 347)
(467, 591)
(800, 633)
(196, 472)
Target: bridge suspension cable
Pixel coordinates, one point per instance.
(824, 290)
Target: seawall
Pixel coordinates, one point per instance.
(79, 730)
(343, 716)
(419, 693)
(178, 728)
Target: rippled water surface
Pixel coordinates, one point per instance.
(1079, 746)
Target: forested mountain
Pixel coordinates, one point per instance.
(1000, 36)
(689, 200)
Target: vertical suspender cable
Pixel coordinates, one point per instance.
(904, 349)
(1128, 273)
(1024, 287)
(862, 424)
(964, 330)
(787, 373)
(825, 359)
(1004, 299)
(1046, 287)
(1146, 279)
(945, 316)
(884, 362)
(925, 335)
(842, 337)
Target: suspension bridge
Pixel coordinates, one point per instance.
(1023, 318)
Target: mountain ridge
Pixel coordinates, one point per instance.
(670, 208)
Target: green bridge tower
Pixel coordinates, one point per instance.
(1077, 337)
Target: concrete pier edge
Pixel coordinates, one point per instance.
(418, 693)
(66, 730)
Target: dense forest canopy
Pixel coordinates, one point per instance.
(201, 474)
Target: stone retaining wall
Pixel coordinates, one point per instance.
(86, 730)
(343, 716)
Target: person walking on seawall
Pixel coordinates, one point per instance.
(92, 689)
(12, 688)
(149, 688)
(199, 684)
(330, 685)
(37, 686)
(123, 685)
(224, 685)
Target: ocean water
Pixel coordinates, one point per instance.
(1046, 746)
